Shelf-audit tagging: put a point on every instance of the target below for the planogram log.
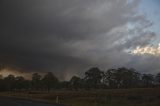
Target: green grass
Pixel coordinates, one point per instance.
(114, 97)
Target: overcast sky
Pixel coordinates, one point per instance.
(67, 37)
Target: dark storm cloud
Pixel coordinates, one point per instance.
(68, 36)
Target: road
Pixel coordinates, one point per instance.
(5, 101)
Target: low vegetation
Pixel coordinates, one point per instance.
(114, 87)
(108, 97)
(94, 78)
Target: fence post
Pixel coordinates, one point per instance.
(57, 100)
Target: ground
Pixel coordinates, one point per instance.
(9, 101)
(110, 97)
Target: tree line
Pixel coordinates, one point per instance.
(94, 78)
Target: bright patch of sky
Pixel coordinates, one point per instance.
(151, 8)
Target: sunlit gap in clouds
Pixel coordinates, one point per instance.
(147, 50)
(9, 71)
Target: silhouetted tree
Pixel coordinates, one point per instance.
(129, 78)
(147, 80)
(21, 83)
(76, 82)
(9, 82)
(1, 77)
(136, 78)
(158, 78)
(64, 85)
(2, 86)
(36, 81)
(122, 78)
(50, 81)
(93, 77)
(110, 78)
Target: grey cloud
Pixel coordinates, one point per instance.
(68, 36)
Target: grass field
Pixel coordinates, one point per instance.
(114, 97)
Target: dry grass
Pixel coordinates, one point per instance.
(119, 97)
